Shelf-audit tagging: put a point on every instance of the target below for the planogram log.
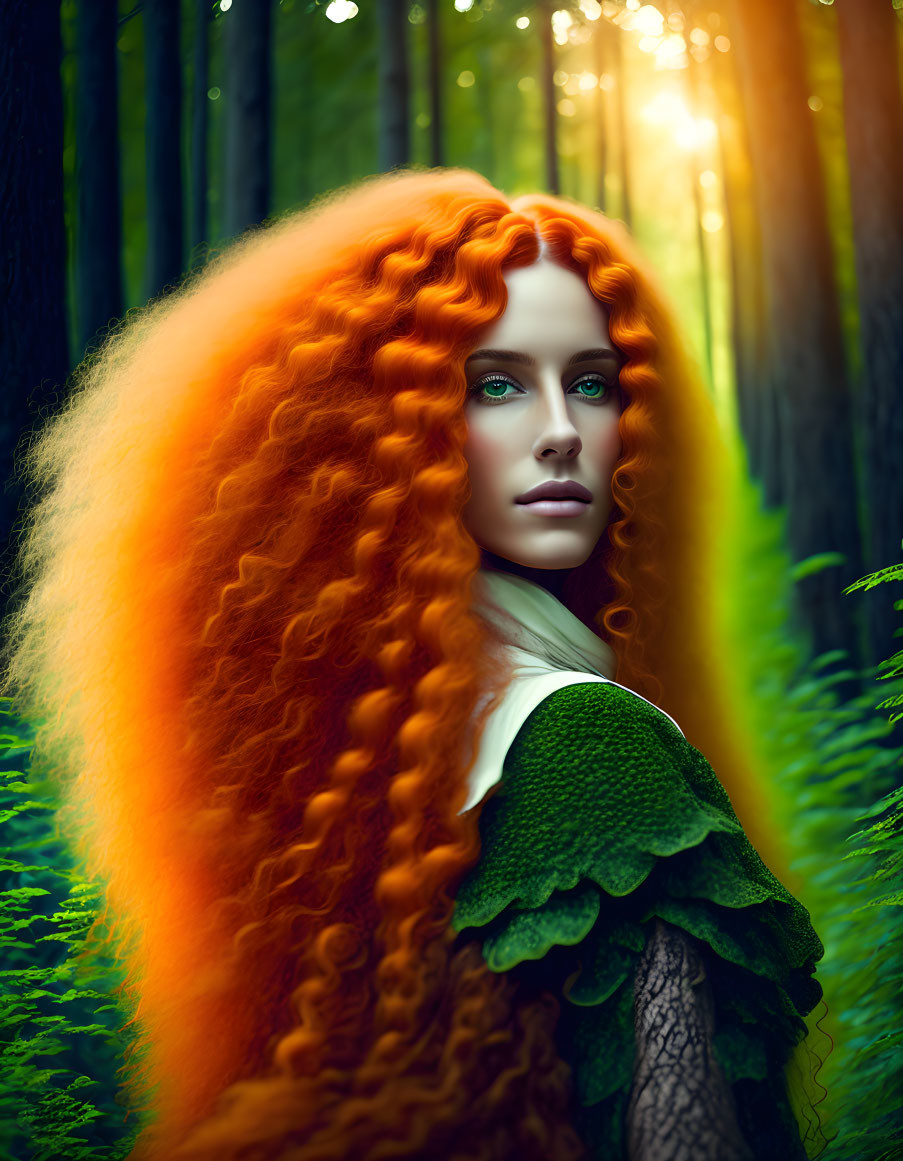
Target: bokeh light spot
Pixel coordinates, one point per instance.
(341, 10)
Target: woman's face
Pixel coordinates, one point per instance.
(542, 413)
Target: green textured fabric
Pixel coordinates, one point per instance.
(606, 818)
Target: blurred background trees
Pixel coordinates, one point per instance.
(754, 148)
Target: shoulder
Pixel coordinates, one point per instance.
(602, 753)
(589, 716)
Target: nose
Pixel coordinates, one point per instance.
(557, 434)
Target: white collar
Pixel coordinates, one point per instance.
(547, 648)
(539, 631)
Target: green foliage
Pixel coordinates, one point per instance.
(836, 764)
(893, 665)
(60, 1038)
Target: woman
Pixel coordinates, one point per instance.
(259, 639)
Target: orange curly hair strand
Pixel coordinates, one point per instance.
(245, 631)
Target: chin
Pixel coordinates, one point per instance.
(550, 561)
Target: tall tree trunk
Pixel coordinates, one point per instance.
(547, 68)
(705, 292)
(620, 97)
(434, 81)
(98, 230)
(806, 357)
(163, 78)
(33, 340)
(600, 106)
(198, 220)
(484, 79)
(248, 45)
(756, 400)
(394, 85)
(874, 133)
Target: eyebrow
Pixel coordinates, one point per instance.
(592, 356)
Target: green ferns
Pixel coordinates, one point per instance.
(59, 1045)
(835, 768)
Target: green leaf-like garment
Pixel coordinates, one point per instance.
(606, 818)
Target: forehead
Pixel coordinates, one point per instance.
(550, 310)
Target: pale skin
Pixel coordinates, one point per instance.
(544, 406)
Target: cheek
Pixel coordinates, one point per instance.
(607, 448)
(485, 457)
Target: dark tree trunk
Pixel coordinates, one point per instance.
(680, 1104)
(248, 33)
(163, 78)
(98, 230)
(33, 341)
(434, 80)
(198, 223)
(547, 68)
(874, 133)
(806, 356)
(394, 85)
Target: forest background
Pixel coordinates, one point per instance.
(755, 150)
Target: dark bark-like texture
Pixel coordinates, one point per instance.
(547, 82)
(874, 133)
(434, 81)
(98, 228)
(803, 339)
(33, 341)
(681, 1105)
(248, 37)
(163, 78)
(198, 216)
(394, 84)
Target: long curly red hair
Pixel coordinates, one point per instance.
(246, 633)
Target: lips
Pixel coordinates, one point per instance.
(555, 490)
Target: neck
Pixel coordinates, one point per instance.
(551, 579)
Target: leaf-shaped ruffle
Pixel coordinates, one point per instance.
(607, 817)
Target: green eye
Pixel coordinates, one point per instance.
(493, 388)
(593, 388)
